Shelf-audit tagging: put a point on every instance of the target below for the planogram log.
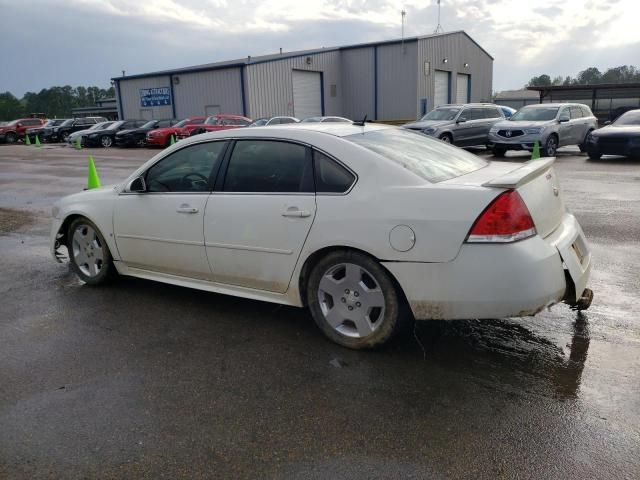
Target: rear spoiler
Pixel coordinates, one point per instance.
(522, 175)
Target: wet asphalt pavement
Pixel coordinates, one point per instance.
(145, 380)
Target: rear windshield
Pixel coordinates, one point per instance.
(427, 157)
(535, 114)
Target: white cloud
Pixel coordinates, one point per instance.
(526, 37)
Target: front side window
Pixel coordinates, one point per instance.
(429, 158)
(187, 170)
(266, 166)
(331, 177)
(491, 113)
(441, 114)
(586, 112)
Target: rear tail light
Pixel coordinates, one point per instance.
(506, 219)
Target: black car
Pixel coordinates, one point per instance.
(621, 137)
(138, 136)
(39, 131)
(106, 137)
(60, 132)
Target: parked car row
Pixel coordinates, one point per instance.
(551, 125)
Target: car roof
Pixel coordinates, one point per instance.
(460, 105)
(554, 105)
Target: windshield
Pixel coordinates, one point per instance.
(55, 123)
(260, 122)
(312, 119)
(441, 114)
(66, 123)
(427, 157)
(629, 118)
(115, 125)
(150, 124)
(101, 126)
(13, 122)
(181, 123)
(535, 114)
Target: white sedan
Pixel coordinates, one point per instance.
(368, 226)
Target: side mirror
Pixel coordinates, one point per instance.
(608, 122)
(19, 125)
(137, 185)
(564, 118)
(461, 120)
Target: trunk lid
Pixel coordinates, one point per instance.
(535, 181)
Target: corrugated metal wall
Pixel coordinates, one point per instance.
(130, 97)
(269, 87)
(357, 83)
(195, 91)
(397, 81)
(458, 49)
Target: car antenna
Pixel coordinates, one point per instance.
(362, 122)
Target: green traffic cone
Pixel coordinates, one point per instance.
(535, 154)
(173, 140)
(93, 181)
(78, 144)
(37, 141)
(27, 140)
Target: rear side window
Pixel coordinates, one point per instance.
(265, 166)
(491, 113)
(331, 177)
(586, 111)
(429, 158)
(474, 114)
(576, 112)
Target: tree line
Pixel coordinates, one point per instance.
(590, 76)
(54, 102)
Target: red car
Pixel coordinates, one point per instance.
(214, 123)
(15, 130)
(161, 137)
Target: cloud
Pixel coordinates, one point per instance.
(49, 42)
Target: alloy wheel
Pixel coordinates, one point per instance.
(88, 252)
(351, 300)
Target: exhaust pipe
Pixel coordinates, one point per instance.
(585, 300)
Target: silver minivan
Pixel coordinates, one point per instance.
(463, 125)
(553, 125)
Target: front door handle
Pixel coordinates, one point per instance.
(185, 208)
(295, 213)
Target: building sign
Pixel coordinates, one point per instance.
(155, 97)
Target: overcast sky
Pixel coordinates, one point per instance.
(86, 42)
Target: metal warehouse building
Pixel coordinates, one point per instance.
(391, 80)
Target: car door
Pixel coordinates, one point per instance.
(581, 124)
(258, 218)
(463, 128)
(565, 129)
(160, 229)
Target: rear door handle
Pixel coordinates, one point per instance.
(296, 213)
(184, 208)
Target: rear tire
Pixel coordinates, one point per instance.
(89, 254)
(354, 300)
(106, 141)
(499, 152)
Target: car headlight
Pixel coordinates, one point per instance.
(493, 130)
(533, 131)
(93, 135)
(429, 130)
(592, 138)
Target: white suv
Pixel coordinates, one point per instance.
(552, 124)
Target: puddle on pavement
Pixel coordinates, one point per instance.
(500, 345)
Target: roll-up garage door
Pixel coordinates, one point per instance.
(441, 96)
(307, 97)
(462, 88)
